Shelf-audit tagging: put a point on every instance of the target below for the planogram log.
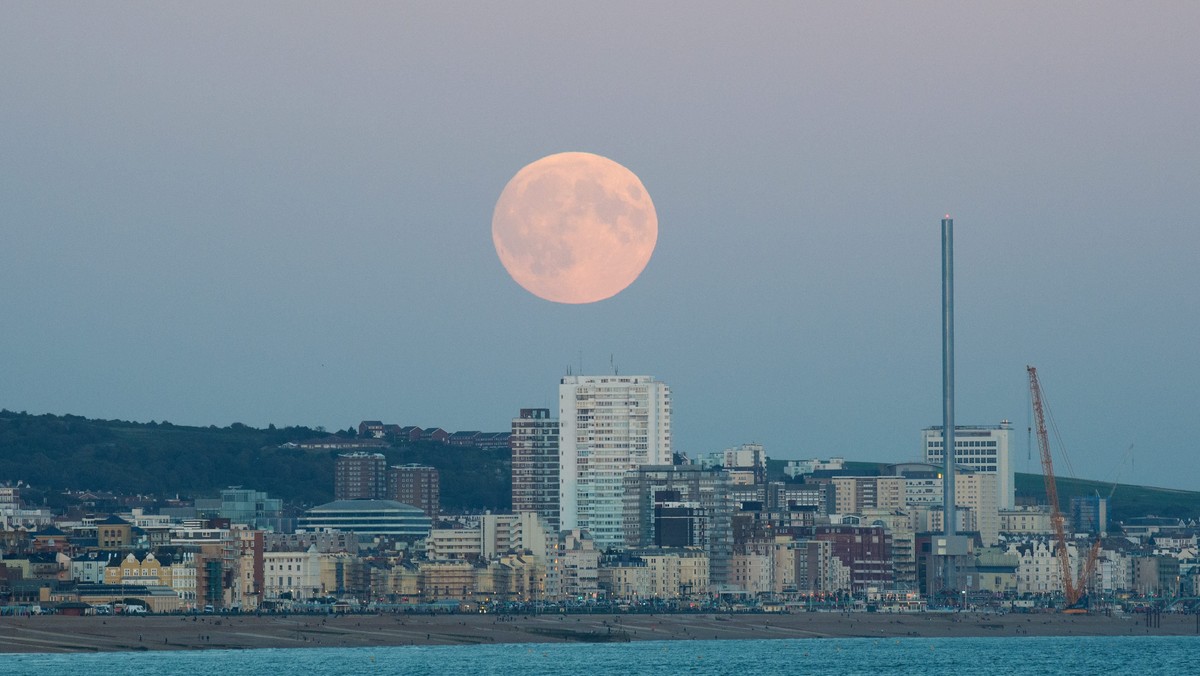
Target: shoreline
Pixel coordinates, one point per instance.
(59, 634)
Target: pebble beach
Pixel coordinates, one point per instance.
(50, 633)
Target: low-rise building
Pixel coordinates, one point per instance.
(993, 570)
(753, 572)
(157, 598)
(1039, 570)
(579, 566)
(447, 580)
(681, 574)
(625, 578)
(136, 569)
(368, 519)
(114, 533)
(89, 567)
(1156, 575)
(797, 468)
(1025, 520)
(491, 535)
(292, 575)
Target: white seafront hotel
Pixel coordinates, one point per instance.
(608, 425)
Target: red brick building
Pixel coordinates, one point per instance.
(360, 476)
(416, 485)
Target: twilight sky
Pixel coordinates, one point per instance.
(281, 213)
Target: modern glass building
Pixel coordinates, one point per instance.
(251, 507)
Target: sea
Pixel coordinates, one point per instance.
(1024, 655)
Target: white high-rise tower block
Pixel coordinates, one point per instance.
(608, 425)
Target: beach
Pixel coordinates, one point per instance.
(52, 633)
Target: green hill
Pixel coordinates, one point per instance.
(1126, 500)
(54, 453)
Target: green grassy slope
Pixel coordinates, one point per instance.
(1127, 500)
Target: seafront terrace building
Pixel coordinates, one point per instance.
(579, 566)
(146, 570)
(677, 573)
(624, 578)
(1038, 568)
(296, 574)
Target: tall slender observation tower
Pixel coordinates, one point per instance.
(950, 545)
(948, 374)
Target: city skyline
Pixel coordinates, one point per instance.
(281, 215)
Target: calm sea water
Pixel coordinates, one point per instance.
(1012, 655)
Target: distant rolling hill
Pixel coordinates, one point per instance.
(52, 453)
(1126, 500)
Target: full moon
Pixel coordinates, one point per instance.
(574, 228)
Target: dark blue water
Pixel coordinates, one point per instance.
(1011, 655)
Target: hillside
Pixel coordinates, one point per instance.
(54, 453)
(1127, 500)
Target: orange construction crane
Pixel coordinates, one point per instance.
(1073, 589)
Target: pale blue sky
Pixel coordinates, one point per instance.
(280, 213)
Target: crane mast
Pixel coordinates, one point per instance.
(1072, 589)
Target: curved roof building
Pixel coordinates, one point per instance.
(370, 518)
